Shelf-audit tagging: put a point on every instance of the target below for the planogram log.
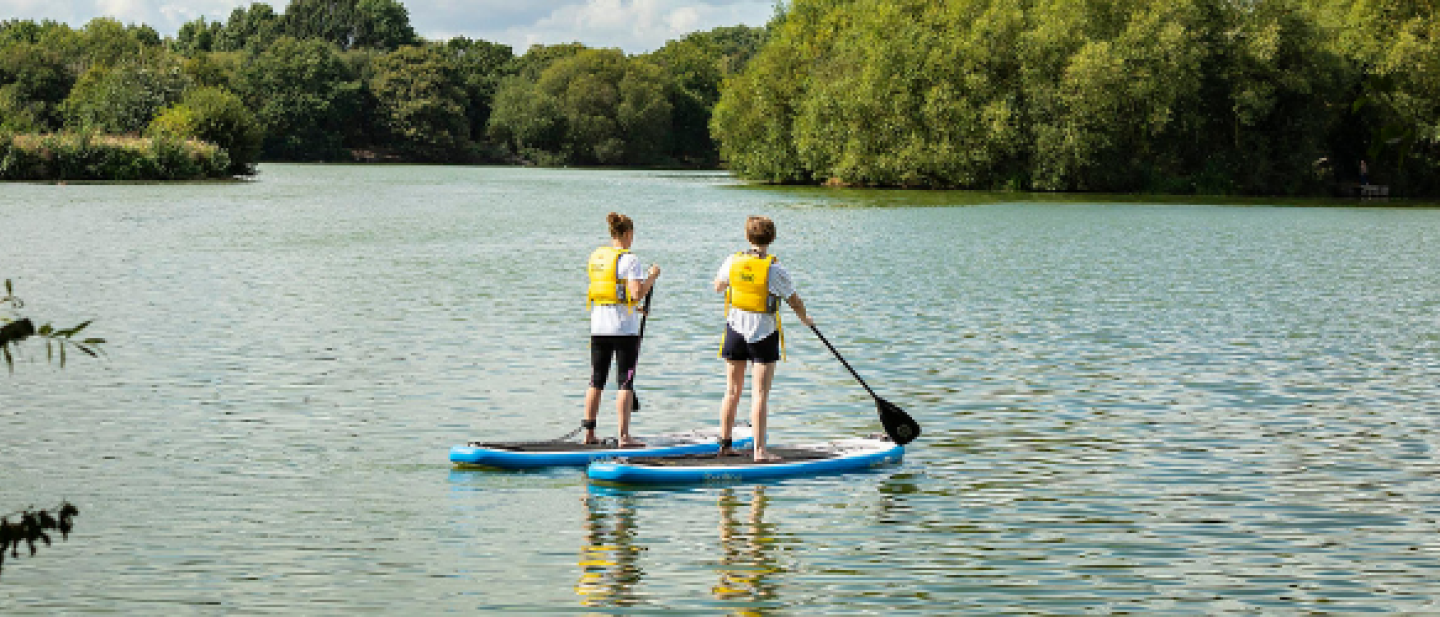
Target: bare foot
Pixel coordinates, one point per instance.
(590, 439)
(724, 452)
(766, 457)
(627, 442)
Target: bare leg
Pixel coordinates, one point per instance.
(592, 409)
(734, 384)
(624, 402)
(759, 407)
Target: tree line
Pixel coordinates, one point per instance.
(1172, 96)
(339, 80)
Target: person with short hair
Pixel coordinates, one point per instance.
(754, 283)
(617, 284)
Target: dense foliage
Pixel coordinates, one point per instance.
(1208, 96)
(1183, 96)
(340, 80)
(90, 156)
(594, 107)
(214, 115)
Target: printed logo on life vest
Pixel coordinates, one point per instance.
(746, 275)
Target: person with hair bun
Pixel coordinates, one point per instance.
(617, 284)
(754, 283)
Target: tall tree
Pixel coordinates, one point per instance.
(481, 65)
(256, 25)
(34, 81)
(698, 64)
(124, 98)
(595, 107)
(375, 24)
(421, 102)
(304, 96)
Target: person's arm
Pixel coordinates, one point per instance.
(639, 289)
(798, 305)
(722, 277)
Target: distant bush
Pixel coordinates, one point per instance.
(218, 116)
(87, 156)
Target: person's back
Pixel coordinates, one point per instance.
(617, 282)
(754, 282)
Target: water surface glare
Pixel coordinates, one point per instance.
(1128, 407)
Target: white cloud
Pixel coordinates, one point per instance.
(633, 25)
(127, 11)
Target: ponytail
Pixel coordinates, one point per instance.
(619, 224)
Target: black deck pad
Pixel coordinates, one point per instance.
(548, 446)
(741, 457)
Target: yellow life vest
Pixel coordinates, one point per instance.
(750, 284)
(605, 286)
(749, 290)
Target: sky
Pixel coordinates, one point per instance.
(636, 26)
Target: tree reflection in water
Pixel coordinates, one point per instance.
(748, 555)
(609, 568)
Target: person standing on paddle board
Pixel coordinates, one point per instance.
(754, 283)
(617, 283)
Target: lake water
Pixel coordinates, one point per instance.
(1128, 406)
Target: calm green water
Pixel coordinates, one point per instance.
(1128, 407)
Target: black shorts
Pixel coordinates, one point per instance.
(625, 350)
(763, 351)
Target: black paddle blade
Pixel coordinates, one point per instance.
(901, 428)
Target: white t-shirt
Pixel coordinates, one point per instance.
(619, 319)
(757, 326)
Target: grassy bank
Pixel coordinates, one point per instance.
(86, 156)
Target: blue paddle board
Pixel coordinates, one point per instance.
(530, 454)
(841, 456)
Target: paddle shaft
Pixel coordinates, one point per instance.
(644, 314)
(842, 361)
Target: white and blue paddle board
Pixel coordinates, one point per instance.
(846, 455)
(530, 454)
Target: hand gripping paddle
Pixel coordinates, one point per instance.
(901, 428)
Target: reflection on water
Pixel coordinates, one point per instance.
(609, 559)
(748, 552)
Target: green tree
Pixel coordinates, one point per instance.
(304, 96)
(754, 120)
(481, 66)
(527, 121)
(218, 116)
(595, 107)
(540, 57)
(254, 26)
(376, 24)
(698, 64)
(124, 98)
(218, 69)
(197, 36)
(1113, 95)
(1115, 113)
(421, 102)
(34, 81)
(105, 41)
